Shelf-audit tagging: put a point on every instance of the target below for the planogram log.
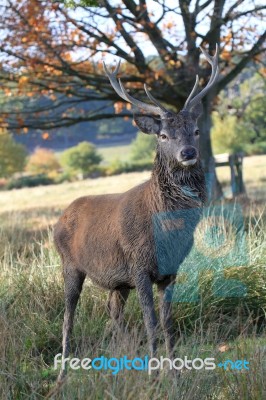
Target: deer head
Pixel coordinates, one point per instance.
(177, 133)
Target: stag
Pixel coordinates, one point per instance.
(110, 238)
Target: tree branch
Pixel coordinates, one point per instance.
(242, 64)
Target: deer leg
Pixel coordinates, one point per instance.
(73, 285)
(165, 309)
(116, 302)
(145, 294)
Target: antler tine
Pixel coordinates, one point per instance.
(147, 107)
(213, 61)
(153, 99)
(121, 91)
(195, 87)
(113, 79)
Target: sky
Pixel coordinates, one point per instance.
(178, 31)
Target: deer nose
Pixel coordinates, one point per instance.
(188, 153)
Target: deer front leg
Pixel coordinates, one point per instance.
(165, 308)
(145, 294)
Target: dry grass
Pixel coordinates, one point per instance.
(31, 310)
(254, 174)
(62, 195)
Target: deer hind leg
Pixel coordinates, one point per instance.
(165, 309)
(73, 285)
(115, 306)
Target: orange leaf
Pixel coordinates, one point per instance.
(118, 106)
(23, 80)
(45, 135)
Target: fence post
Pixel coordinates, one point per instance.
(239, 168)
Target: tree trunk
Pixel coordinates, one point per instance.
(214, 187)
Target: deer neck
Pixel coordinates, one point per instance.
(175, 187)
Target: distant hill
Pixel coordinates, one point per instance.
(103, 132)
(121, 133)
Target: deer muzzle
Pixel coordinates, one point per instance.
(188, 156)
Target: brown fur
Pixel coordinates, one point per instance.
(111, 238)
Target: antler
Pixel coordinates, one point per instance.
(157, 108)
(121, 91)
(213, 60)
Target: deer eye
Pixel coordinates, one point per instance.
(197, 132)
(163, 137)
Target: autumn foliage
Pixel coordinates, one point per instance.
(51, 55)
(42, 161)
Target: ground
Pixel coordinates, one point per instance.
(31, 303)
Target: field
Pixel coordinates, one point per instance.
(31, 303)
(112, 153)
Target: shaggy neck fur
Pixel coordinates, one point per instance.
(177, 187)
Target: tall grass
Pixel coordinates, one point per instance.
(31, 314)
(32, 306)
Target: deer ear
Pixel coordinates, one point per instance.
(147, 124)
(196, 111)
